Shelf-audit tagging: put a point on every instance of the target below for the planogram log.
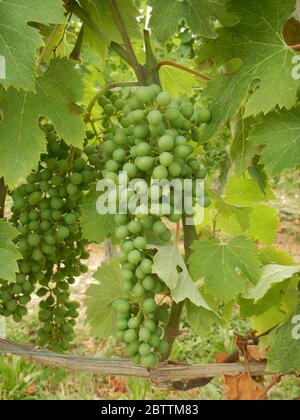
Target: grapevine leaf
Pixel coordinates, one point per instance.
(101, 296)
(242, 150)
(100, 24)
(280, 133)
(225, 267)
(273, 255)
(200, 319)
(258, 42)
(245, 192)
(284, 355)
(177, 81)
(19, 41)
(22, 141)
(241, 211)
(274, 307)
(198, 14)
(171, 269)
(272, 274)
(9, 254)
(95, 227)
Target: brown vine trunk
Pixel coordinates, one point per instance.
(2, 197)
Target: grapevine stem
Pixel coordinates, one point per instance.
(128, 45)
(182, 67)
(295, 47)
(121, 52)
(101, 92)
(2, 197)
(172, 328)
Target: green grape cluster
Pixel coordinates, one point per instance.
(150, 136)
(46, 212)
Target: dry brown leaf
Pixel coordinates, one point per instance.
(242, 388)
(256, 353)
(221, 357)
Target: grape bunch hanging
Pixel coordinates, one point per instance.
(46, 212)
(149, 135)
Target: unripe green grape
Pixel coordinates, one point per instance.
(121, 139)
(166, 143)
(149, 283)
(122, 232)
(34, 239)
(131, 349)
(138, 290)
(137, 117)
(72, 189)
(149, 361)
(70, 218)
(154, 341)
(147, 222)
(144, 163)
(108, 147)
(202, 173)
(134, 323)
(163, 347)
(130, 336)
(131, 170)
(164, 99)
(146, 266)
(141, 131)
(155, 118)
(128, 286)
(173, 115)
(150, 325)
(160, 172)
(144, 95)
(187, 110)
(207, 201)
(166, 236)
(122, 257)
(121, 325)
(174, 217)
(144, 349)
(174, 169)
(127, 246)
(12, 305)
(62, 233)
(183, 151)
(140, 275)
(119, 155)
(204, 116)
(149, 305)
(144, 334)
(159, 228)
(122, 306)
(135, 227)
(134, 257)
(140, 242)
(143, 149)
(166, 159)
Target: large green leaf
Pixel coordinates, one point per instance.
(280, 133)
(284, 355)
(95, 227)
(225, 267)
(19, 41)
(101, 296)
(258, 42)
(171, 269)
(200, 319)
(167, 14)
(271, 275)
(21, 139)
(243, 210)
(177, 81)
(9, 253)
(100, 24)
